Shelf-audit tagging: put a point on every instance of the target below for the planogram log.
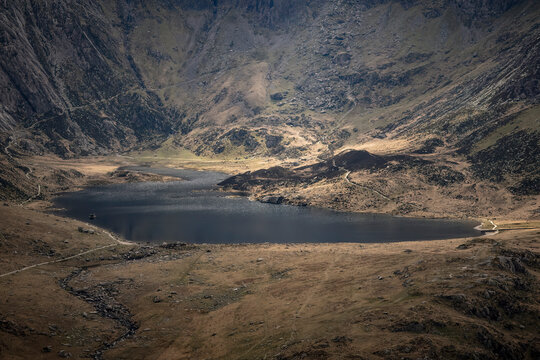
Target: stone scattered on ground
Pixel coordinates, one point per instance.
(86, 230)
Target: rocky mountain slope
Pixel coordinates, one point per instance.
(287, 79)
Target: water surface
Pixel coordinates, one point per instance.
(194, 211)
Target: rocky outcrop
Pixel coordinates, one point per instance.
(514, 156)
(429, 146)
(338, 166)
(68, 80)
(272, 199)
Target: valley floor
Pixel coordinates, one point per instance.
(463, 298)
(94, 295)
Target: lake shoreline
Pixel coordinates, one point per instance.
(174, 200)
(279, 289)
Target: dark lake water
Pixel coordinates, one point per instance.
(194, 211)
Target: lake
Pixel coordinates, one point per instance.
(193, 210)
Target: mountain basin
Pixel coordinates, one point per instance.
(193, 210)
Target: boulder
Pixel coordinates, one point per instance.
(273, 199)
(278, 96)
(86, 231)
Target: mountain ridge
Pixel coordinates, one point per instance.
(291, 80)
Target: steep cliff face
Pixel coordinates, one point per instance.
(68, 82)
(92, 77)
(70, 79)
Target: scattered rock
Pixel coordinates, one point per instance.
(64, 354)
(527, 257)
(408, 282)
(175, 245)
(440, 175)
(492, 343)
(429, 146)
(280, 274)
(473, 242)
(272, 141)
(476, 307)
(273, 199)
(511, 264)
(341, 340)
(413, 326)
(278, 96)
(139, 253)
(86, 231)
(343, 59)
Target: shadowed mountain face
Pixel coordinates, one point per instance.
(266, 77)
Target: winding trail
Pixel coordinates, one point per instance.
(57, 260)
(33, 196)
(492, 231)
(117, 242)
(38, 193)
(494, 228)
(27, 174)
(129, 91)
(6, 148)
(338, 122)
(346, 177)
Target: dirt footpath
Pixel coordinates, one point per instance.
(465, 298)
